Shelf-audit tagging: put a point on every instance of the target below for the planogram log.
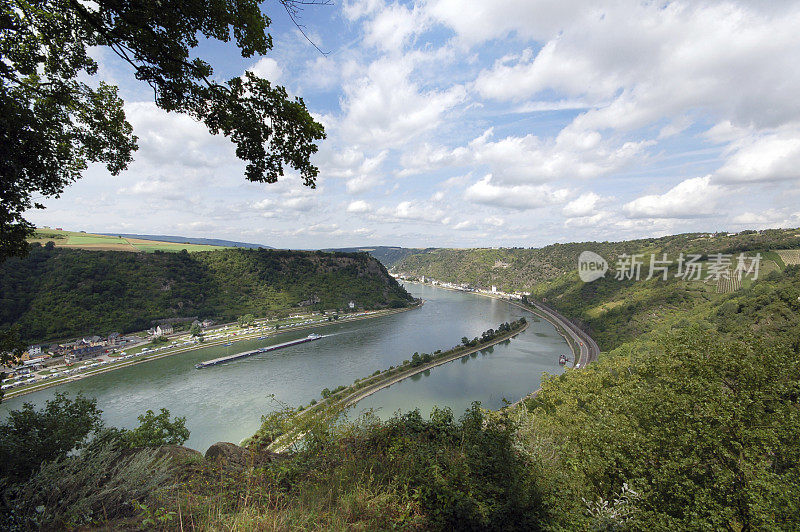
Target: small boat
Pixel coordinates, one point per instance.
(562, 360)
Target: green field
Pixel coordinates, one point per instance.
(154, 245)
(81, 240)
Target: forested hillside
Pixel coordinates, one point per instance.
(523, 269)
(55, 293)
(694, 425)
(615, 311)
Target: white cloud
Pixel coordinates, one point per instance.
(690, 198)
(725, 132)
(384, 107)
(675, 127)
(521, 197)
(359, 206)
(771, 157)
(413, 211)
(356, 9)
(477, 20)
(653, 60)
(302, 203)
(393, 26)
(361, 172)
(573, 154)
(267, 68)
(156, 188)
(554, 105)
(362, 183)
(176, 139)
(602, 218)
(768, 218)
(584, 205)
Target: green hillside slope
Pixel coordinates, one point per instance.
(55, 293)
(523, 269)
(614, 311)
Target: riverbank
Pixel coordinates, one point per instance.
(255, 334)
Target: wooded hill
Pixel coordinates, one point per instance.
(524, 268)
(613, 311)
(57, 293)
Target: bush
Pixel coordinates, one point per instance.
(31, 437)
(92, 486)
(459, 475)
(155, 430)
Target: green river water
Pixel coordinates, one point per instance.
(226, 402)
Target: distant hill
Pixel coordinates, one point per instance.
(132, 242)
(56, 293)
(388, 255)
(192, 240)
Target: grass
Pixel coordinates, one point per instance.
(605, 307)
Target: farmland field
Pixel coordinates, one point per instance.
(80, 240)
(153, 245)
(789, 256)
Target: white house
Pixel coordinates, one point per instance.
(161, 330)
(34, 350)
(351, 305)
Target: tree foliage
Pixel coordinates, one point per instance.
(246, 320)
(156, 429)
(30, 437)
(705, 432)
(53, 123)
(464, 474)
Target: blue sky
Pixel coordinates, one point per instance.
(466, 123)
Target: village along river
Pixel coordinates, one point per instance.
(226, 402)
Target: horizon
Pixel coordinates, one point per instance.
(384, 245)
(480, 127)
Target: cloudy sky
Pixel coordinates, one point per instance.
(472, 123)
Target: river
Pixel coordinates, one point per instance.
(226, 402)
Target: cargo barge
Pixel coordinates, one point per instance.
(244, 354)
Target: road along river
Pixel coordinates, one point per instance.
(225, 403)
